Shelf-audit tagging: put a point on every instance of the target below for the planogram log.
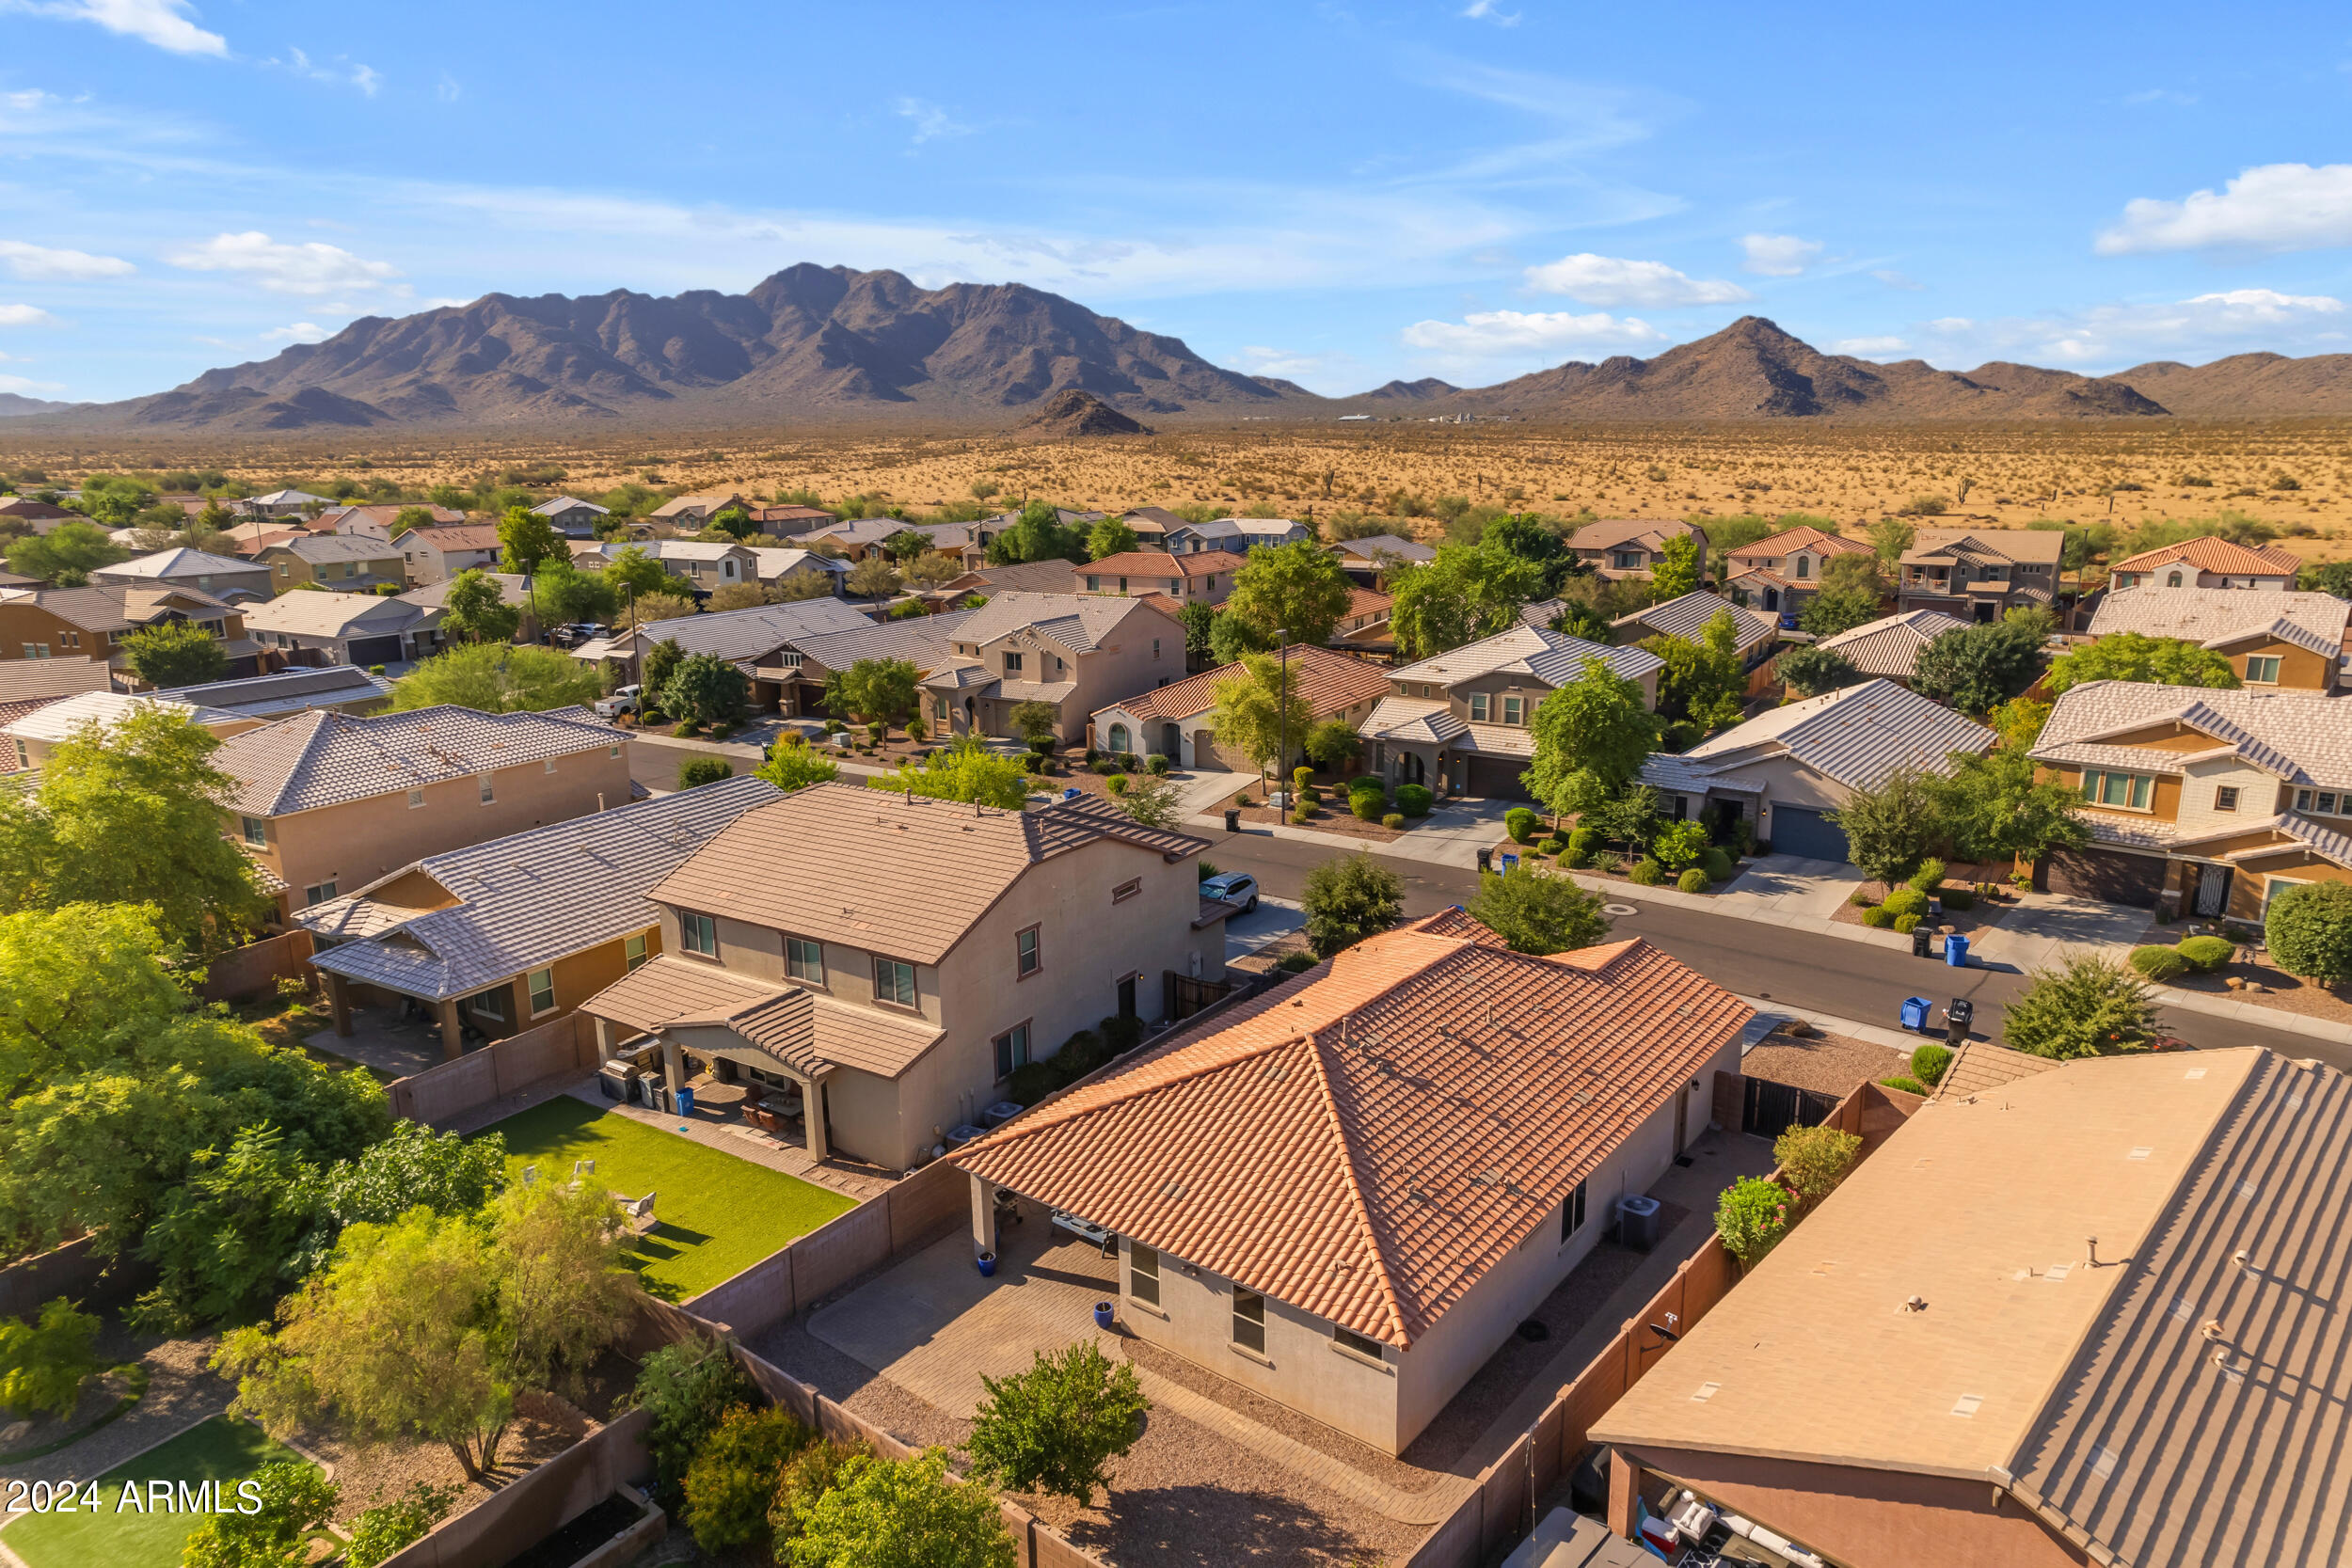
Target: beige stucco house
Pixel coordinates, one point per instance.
(1179, 720)
(1075, 652)
(2209, 562)
(2275, 639)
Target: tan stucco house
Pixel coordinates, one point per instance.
(1075, 652)
(2275, 640)
(91, 623)
(1179, 720)
(353, 563)
(2209, 562)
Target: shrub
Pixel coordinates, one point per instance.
(1395, 819)
(1102, 766)
(2159, 965)
(1519, 823)
(1678, 737)
(1556, 845)
(1958, 898)
(2086, 1007)
(1056, 1427)
(1905, 901)
(1364, 784)
(1295, 964)
(1156, 764)
(686, 727)
(1305, 812)
(1041, 745)
(43, 1363)
(1815, 1158)
(1413, 799)
(1646, 872)
(891, 1512)
(387, 1528)
(1080, 1055)
(1581, 844)
(733, 1479)
(1302, 779)
(1679, 845)
(295, 1500)
(807, 1476)
(1719, 864)
(1906, 923)
(1368, 804)
(1693, 880)
(1130, 761)
(1878, 919)
(1116, 784)
(1859, 898)
(1349, 897)
(1931, 1062)
(2207, 954)
(1929, 876)
(696, 771)
(1908, 1085)
(1751, 1217)
(1120, 1033)
(835, 726)
(686, 1387)
(1031, 1082)
(1032, 763)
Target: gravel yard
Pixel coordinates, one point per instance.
(1826, 1064)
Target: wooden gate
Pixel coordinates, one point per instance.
(1187, 995)
(1771, 1108)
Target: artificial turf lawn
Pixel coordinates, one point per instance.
(218, 1450)
(718, 1214)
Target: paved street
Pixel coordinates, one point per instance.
(1822, 973)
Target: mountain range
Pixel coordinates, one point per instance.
(831, 344)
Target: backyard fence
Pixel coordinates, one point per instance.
(443, 1094)
(528, 1510)
(258, 966)
(74, 1271)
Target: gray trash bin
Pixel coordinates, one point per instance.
(1637, 1221)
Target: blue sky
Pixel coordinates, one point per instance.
(1338, 193)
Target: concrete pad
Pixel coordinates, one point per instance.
(1788, 884)
(2048, 929)
(1273, 918)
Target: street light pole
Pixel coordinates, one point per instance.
(1283, 718)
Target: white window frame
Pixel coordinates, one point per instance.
(2270, 663)
(692, 923)
(1480, 706)
(317, 894)
(2225, 797)
(486, 788)
(531, 985)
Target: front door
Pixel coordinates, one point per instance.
(2212, 890)
(1127, 997)
(1682, 1118)
(1172, 742)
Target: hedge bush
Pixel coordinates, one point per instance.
(733, 1478)
(1305, 812)
(1718, 863)
(1693, 880)
(1646, 872)
(2310, 931)
(1116, 784)
(2159, 964)
(1156, 764)
(1581, 844)
(1752, 1216)
(1369, 805)
(1958, 898)
(1414, 800)
(1366, 784)
(1521, 824)
(1908, 1085)
(1929, 876)
(1556, 845)
(1296, 963)
(1859, 898)
(2206, 954)
(1815, 1158)
(1394, 819)
(1905, 901)
(1878, 918)
(1931, 1062)
(1906, 923)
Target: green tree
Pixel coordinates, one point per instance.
(1039, 535)
(2132, 655)
(1333, 744)
(1233, 639)
(790, 768)
(1035, 721)
(1535, 912)
(1976, 669)
(733, 522)
(686, 1387)
(694, 772)
(963, 769)
(476, 610)
(1831, 610)
(1150, 802)
(1537, 541)
(1197, 620)
(931, 568)
(444, 1171)
(632, 571)
(1891, 828)
(1297, 588)
(1257, 707)
(1891, 537)
(526, 539)
(1702, 681)
(44, 1363)
(1809, 672)
(2309, 930)
(296, 1500)
(1993, 805)
(1463, 595)
(228, 1239)
(2327, 577)
(386, 1528)
(706, 690)
(406, 518)
(1592, 736)
(1110, 537)
(2087, 1006)
(175, 652)
(1751, 1217)
(565, 593)
(1056, 1427)
(873, 577)
(1677, 570)
(1347, 898)
(498, 677)
(732, 1481)
(647, 609)
(874, 692)
(66, 554)
(658, 663)
(901, 1514)
(1815, 1158)
(130, 813)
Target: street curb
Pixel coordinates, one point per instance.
(2256, 1014)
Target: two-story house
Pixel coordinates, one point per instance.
(898, 1019)
(798, 669)
(1233, 535)
(1371, 559)
(859, 537)
(30, 685)
(1629, 548)
(774, 565)
(702, 568)
(571, 516)
(787, 521)
(2211, 801)
(1458, 721)
(1179, 720)
(377, 519)
(1073, 652)
(225, 578)
(695, 512)
(2208, 563)
(430, 555)
(759, 639)
(353, 563)
(327, 801)
(92, 623)
(2277, 640)
(514, 932)
(1783, 571)
(1199, 578)
(27, 740)
(1688, 615)
(1981, 573)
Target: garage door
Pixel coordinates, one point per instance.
(1206, 756)
(2107, 875)
(376, 650)
(1497, 777)
(1809, 835)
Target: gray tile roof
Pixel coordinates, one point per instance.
(741, 634)
(1385, 543)
(531, 898)
(514, 589)
(320, 548)
(324, 759)
(2213, 616)
(175, 563)
(1666, 770)
(1079, 622)
(1687, 617)
(927, 641)
(317, 612)
(2039, 545)
(1860, 736)
(2303, 739)
(1890, 645)
(57, 720)
(565, 503)
(287, 693)
(1415, 721)
(1552, 658)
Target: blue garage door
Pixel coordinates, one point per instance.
(1798, 832)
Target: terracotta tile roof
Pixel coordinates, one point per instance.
(2216, 555)
(834, 836)
(1330, 683)
(1808, 538)
(325, 759)
(1159, 564)
(1366, 1146)
(1363, 601)
(457, 536)
(1609, 533)
(800, 1028)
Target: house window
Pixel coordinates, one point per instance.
(1572, 1214)
(2225, 797)
(1013, 1050)
(1094, 585)
(698, 933)
(1126, 890)
(36, 650)
(1143, 1272)
(2173, 579)
(1515, 710)
(416, 798)
(1478, 705)
(1250, 1320)
(633, 950)
(318, 893)
(72, 639)
(256, 832)
(1025, 959)
(1350, 1340)
(490, 1004)
(482, 782)
(2324, 802)
(1013, 664)
(804, 960)
(23, 757)
(1155, 647)
(2262, 670)
(894, 982)
(542, 984)
(2127, 791)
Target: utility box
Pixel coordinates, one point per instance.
(1637, 1221)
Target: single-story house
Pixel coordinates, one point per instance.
(571, 516)
(27, 741)
(1689, 616)
(1890, 645)
(1177, 720)
(346, 628)
(2209, 562)
(1369, 561)
(762, 641)
(332, 689)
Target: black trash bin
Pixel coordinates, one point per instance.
(1957, 1018)
(1232, 819)
(1485, 860)
(1920, 940)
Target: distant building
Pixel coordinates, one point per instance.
(571, 516)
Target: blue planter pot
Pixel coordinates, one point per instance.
(1103, 1316)
(985, 1264)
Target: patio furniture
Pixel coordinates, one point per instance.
(637, 1214)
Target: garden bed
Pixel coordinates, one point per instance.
(2280, 991)
(1331, 816)
(1531, 856)
(1966, 923)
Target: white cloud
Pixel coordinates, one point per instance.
(1487, 11)
(1869, 348)
(40, 262)
(1778, 255)
(1952, 324)
(24, 385)
(25, 101)
(1897, 281)
(448, 89)
(366, 79)
(2160, 95)
(162, 22)
(2113, 336)
(2269, 206)
(931, 121)
(1609, 280)
(341, 69)
(1485, 334)
(312, 268)
(25, 315)
(300, 332)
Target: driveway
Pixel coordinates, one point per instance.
(1273, 918)
(2050, 928)
(1789, 884)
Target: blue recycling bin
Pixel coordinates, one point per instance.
(1956, 950)
(1509, 860)
(1915, 1011)
(685, 1098)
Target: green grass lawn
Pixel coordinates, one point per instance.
(218, 1450)
(718, 1214)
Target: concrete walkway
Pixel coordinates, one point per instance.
(1782, 885)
